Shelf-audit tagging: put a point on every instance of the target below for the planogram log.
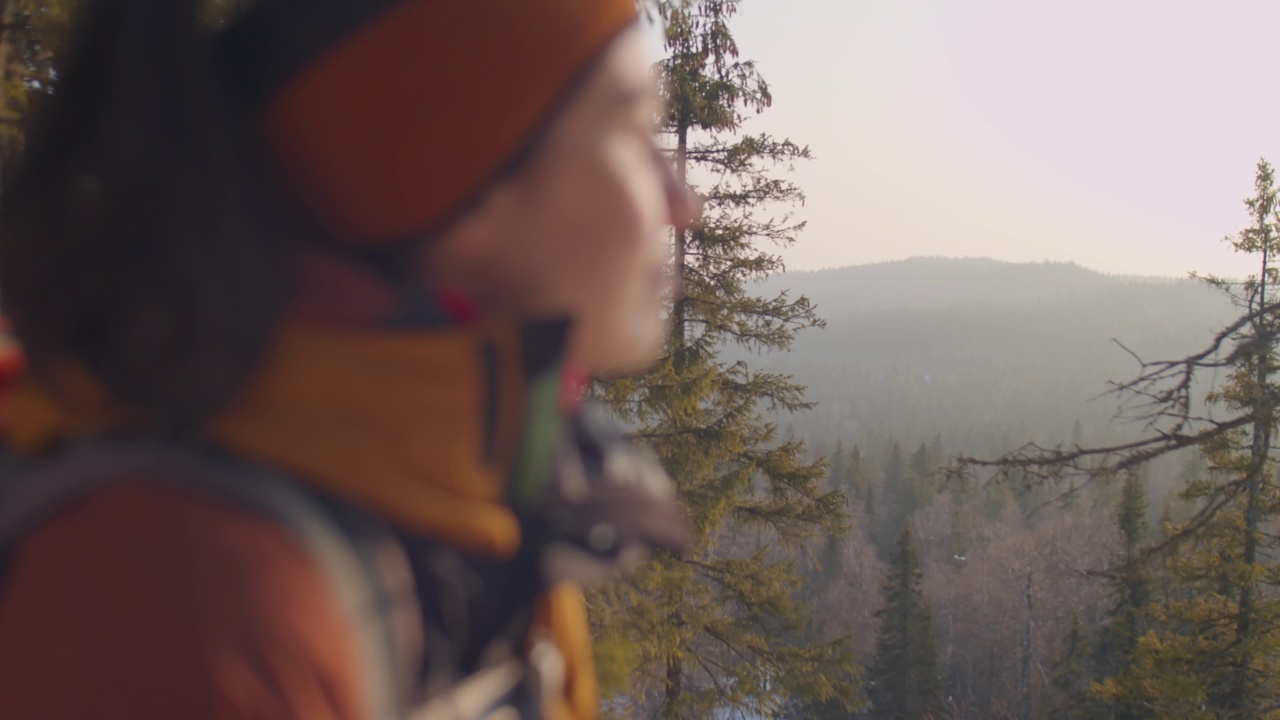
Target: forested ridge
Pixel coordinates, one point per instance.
(983, 352)
(925, 359)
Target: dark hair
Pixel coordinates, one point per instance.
(141, 237)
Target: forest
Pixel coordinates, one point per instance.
(936, 488)
(1008, 590)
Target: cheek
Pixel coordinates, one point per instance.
(621, 217)
(595, 225)
(619, 323)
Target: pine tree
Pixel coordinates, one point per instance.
(836, 470)
(1071, 677)
(1239, 678)
(937, 451)
(850, 473)
(902, 681)
(1184, 667)
(922, 485)
(858, 485)
(1129, 616)
(898, 499)
(1245, 457)
(716, 631)
(1216, 649)
(848, 476)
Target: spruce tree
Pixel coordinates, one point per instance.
(836, 467)
(1070, 677)
(902, 680)
(1225, 632)
(1128, 618)
(1214, 649)
(898, 499)
(716, 631)
(858, 484)
(922, 487)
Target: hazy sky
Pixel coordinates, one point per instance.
(1121, 134)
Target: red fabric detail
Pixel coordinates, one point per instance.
(459, 306)
(12, 365)
(573, 388)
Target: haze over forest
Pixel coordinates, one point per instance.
(928, 358)
(981, 351)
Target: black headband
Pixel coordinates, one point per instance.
(275, 39)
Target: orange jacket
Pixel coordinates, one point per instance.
(146, 602)
(151, 602)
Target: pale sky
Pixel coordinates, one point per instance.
(1120, 134)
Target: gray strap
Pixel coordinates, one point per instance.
(365, 566)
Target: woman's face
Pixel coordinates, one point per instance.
(581, 230)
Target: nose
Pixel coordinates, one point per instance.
(683, 205)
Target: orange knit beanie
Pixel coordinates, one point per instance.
(394, 125)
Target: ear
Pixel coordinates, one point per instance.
(468, 240)
(462, 253)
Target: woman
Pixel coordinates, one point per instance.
(360, 252)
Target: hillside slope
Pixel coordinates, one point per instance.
(982, 352)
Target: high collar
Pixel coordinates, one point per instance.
(444, 431)
(420, 425)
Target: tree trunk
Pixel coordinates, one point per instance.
(1239, 700)
(681, 242)
(674, 688)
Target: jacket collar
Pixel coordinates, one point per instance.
(446, 431)
(422, 426)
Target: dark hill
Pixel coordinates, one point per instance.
(983, 352)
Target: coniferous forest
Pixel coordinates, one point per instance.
(934, 488)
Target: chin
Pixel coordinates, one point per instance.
(625, 355)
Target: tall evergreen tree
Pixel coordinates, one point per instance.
(1215, 651)
(1224, 631)
(898, 499)
(858, 485)
(902, 681)
(836, 467)
(921, 486)
(715, 631)
(1129, 616)
(1071, 677)
(1245, 458)
(937, 452)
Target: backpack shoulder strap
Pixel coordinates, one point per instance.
(361, 558)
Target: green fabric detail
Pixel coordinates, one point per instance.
(543, 427)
